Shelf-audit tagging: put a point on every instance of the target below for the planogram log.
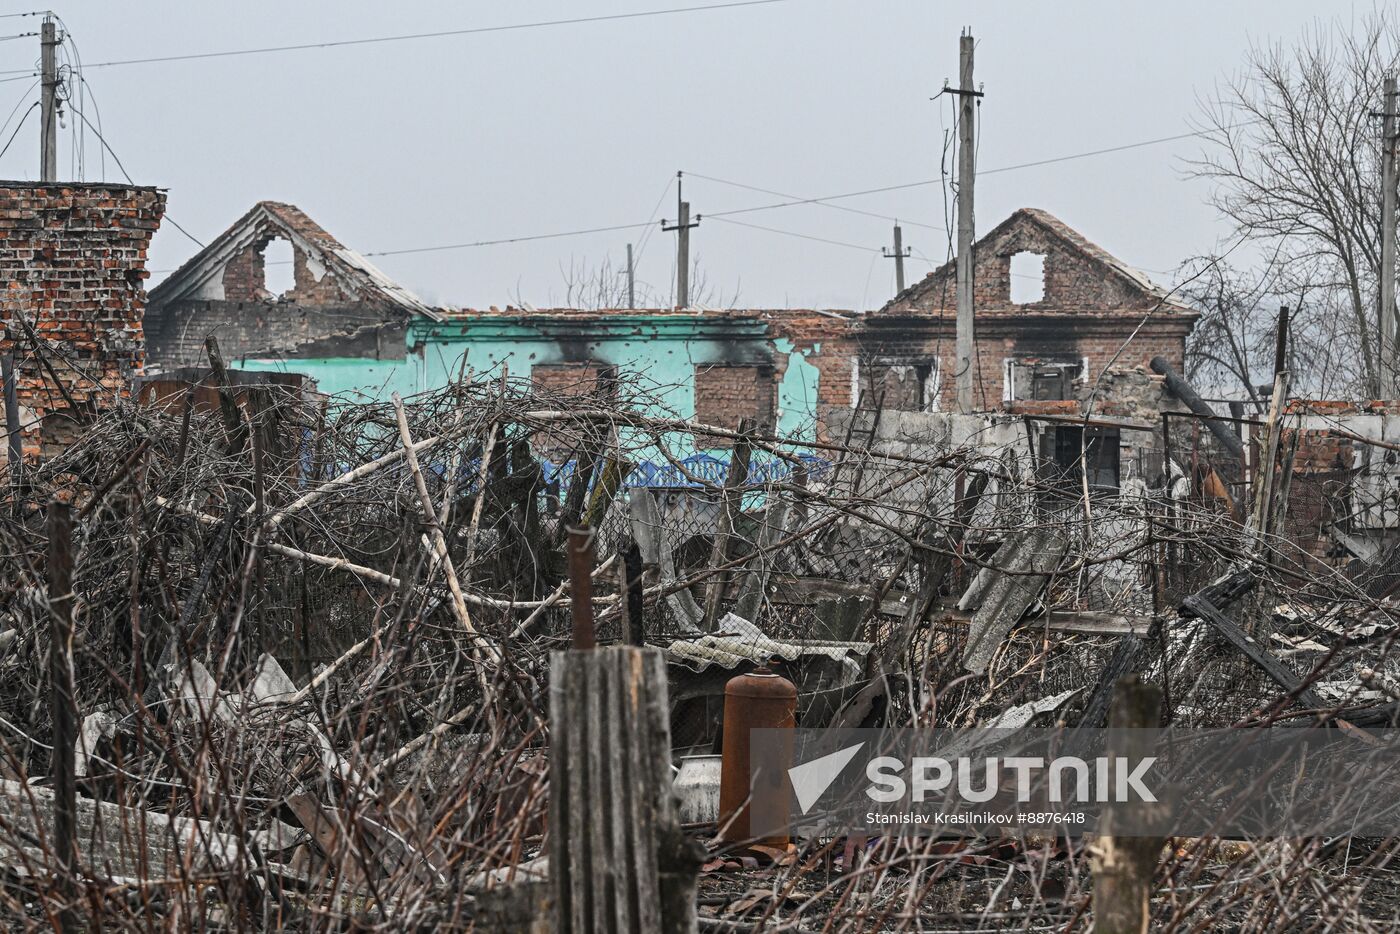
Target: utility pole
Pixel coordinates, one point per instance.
(682, 229)
(631, 280)
(48, 125)
(1387, 332)
(966, 340)
(898, 257)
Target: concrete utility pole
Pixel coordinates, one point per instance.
(631, 280)
(682, 229)
(898, 257)
(966, 340)
(48, 125)
(1387, 331)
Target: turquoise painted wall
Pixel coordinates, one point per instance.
(659, 352)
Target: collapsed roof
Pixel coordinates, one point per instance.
(202, 276)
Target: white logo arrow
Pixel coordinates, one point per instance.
(811, 779)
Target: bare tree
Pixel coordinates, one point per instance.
(1231, 349)
(1295, 152)
(604, 286)
(1225, 348)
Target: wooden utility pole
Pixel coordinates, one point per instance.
(1387, 330)
(48, 124)
(682, 229)
(966, 339)
(898, 257)
(631, 280)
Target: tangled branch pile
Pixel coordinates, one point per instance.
(311, 641)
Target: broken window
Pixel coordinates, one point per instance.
(1041, 380)
(902, 387)
(1063, 448)
(575, 379)
(1027, 278)
(724, 394)
(578, 380)
(279, 267)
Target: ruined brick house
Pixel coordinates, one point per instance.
(1055, 316)
(341, 322)
(1052, 310)
(74, 263)
(330, 302)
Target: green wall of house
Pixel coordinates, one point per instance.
(659, 353)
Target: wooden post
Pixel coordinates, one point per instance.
(618, 858)
(14, 442)
(228, 402)
(1124, 867)
(62, 707)
(1264, 476)
(634, 602)
(581, 587)
(731, 505)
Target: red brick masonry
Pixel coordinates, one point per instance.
(74, 261)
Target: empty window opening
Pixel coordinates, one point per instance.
(1035, 380)
(1027, 278)
(902, 387)
(279, 267)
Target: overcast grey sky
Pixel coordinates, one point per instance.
(410, 144)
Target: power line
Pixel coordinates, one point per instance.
(727, 215)
(793, 233)
(548, 236)
(115, 158)
(477, 30)
(19, 126)
(935, 181)
(781, 194)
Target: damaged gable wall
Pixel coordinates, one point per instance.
(1083, 312)
(74, 261)
(336, 306)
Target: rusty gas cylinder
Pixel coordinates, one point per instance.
(756, 701)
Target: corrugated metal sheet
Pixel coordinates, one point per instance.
(740, 641)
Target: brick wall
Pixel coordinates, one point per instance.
(74, 262)
(1078, 276)
(245, 278)
(725, 394)
(579, 381)
(175, 334)
(326, 312)
(1102, 340)
(1092, 308)
(571, 379)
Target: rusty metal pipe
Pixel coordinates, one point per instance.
(580, 547)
